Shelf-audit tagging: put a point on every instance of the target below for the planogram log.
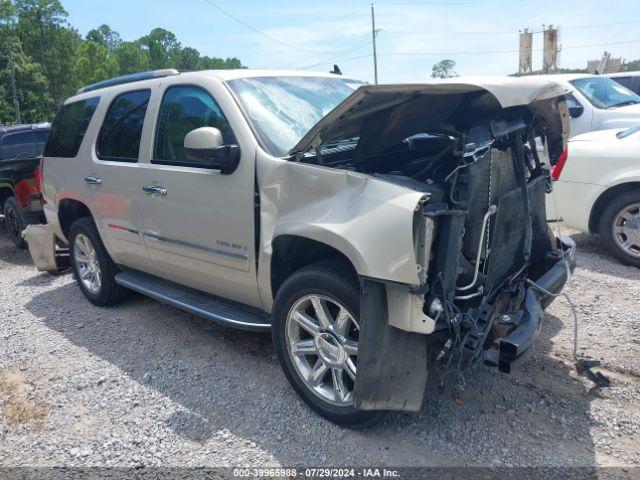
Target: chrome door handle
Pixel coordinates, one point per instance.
(93, 180)
(154, 190)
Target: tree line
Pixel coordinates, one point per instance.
(44, 60)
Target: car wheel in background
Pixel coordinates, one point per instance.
(15, 220)
(316, 330)
(620, 228)
(92, 265)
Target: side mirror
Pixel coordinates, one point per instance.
(205, 146)
(575, 111)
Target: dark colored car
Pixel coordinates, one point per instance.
(21, 148)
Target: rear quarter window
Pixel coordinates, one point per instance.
(70, 127)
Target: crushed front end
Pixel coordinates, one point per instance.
(496, 265)
(487, 263)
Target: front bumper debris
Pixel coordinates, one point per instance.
(46, 255)
(515, 348)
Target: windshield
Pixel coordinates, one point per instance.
(282, 109)
(604, 92)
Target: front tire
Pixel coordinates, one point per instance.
(16, 221)
(620, 228)
(315, 334)
(93, 268)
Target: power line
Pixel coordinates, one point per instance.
(449, 4)
(491, 52)
(265, 35)
(336, 57)
(503, 32)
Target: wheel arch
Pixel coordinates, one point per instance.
(603, 200)
(292, 252)
(70, 210)
(6, 192)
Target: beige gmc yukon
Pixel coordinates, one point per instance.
(354, 222)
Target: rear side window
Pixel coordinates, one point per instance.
(183, 109)
(625, 81)
(18, 146)
(69, 128)
(119, 137)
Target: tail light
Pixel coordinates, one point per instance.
(557, 170)
(38, 177)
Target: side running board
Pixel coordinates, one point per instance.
(201, 304)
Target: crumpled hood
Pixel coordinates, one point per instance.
(420, 104)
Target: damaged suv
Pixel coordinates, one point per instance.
(352, 221)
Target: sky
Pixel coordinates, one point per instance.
(480, 36)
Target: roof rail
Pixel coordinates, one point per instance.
(133, 77)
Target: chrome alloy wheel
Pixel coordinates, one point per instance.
(86, 258)
(626, 230)
(322, 341)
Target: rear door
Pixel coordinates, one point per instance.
(198, 224)
(114, 177)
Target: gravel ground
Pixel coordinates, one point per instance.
(145, 384)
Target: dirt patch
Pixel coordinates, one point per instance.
(18, 407)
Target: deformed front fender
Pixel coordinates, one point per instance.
(369, 220)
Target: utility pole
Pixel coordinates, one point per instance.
(374, 33)
(14, 93)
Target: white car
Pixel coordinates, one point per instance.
(598, 103)
(597, 189)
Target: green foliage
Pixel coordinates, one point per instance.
(94, 62)
(631, 66)
(51, 59)
(571, 70)
(131, 58)
(444, 69)
(163, 48)
(103, 35)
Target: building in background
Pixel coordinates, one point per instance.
(604, 65)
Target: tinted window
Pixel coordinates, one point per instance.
(183, 109)
(625, 81)
(122, 128)
(40, 137)
(631, 83)
(17, 146)
(69, 128)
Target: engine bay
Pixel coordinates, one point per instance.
(484, 189)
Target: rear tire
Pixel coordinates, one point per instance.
(619, 228)
(334, 285)
(16, 221)
(93, 268)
